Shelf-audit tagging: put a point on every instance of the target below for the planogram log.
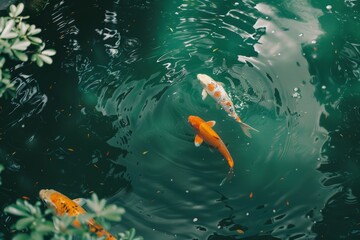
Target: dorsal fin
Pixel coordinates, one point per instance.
(221, 84)
(211, 123)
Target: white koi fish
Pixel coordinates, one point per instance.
(217, 92)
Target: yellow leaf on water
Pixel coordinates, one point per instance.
(239, 231)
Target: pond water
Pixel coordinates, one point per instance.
(110, 116)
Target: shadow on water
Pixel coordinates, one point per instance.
(335, 66)
(110, 116)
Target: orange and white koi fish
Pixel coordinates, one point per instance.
(62, 205)
(204, 132)
(217, 92)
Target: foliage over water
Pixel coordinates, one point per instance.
(110, 116)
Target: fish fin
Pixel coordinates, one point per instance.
(79, 201)
(203, 94)
(211, 123)
(221, 84)
(246, 129)
(228, 177)
(198, 140)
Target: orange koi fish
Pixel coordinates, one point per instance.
(63, 205)
(204, 132)
(217, 92)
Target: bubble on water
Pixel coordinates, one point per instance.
(236, 4)
(323, 87)
(274, 211)
(195, 219)
(296, 93)
(279, 54)
(247, 214)
(187, 191)
(301, 34)
(313, 41)
(273, 31)
(329, 7)
(314, 55)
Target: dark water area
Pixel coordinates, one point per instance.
(110, 116)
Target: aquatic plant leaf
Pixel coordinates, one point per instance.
(21, 55)
(7, 33)
(36, 236)
(39, 62)
(19, 9)
(130, 235)
(112, 213)
(45, 58)
(12, 10)
(33, 30)
(94, 204)
(24, 223)
(20, 45)
(21, 236)
(23, 27)
(2, 23)
(16, 210)
(35, 39)
(49, 52)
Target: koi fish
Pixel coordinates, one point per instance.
(62, 205)
(204, 132)
(217, 92)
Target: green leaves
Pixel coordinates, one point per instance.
(38, 225)
(110, 212)
(130, 235)
(18, 41)
(15, 11)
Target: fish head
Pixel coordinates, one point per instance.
(204, 79)
(45, 196)
(195, 121)
(51, 198)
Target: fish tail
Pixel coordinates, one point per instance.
(246, 128)
(228, 177)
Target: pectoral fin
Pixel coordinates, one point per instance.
(198, 140)
(221, 84)
(211, 123)
(203, 94)
(79, 201)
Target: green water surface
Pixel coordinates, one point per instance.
(110, 116)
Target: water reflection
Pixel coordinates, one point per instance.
(336, 72)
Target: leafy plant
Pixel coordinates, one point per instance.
(38, 225)
(18, 42)
(1, 169)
